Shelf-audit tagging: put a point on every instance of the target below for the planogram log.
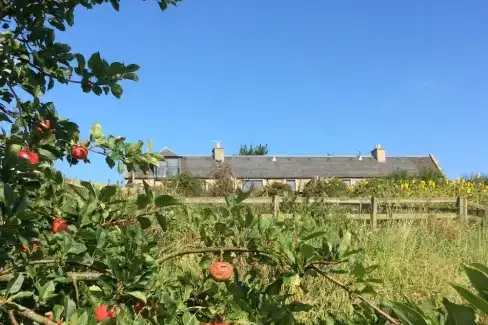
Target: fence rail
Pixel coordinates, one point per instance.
(463, 206)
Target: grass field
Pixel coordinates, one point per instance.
(415, 258)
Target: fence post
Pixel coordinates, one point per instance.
(462, 208)
(276, 206)
(486, 213)
(374, 211)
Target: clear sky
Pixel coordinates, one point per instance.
(306, 77)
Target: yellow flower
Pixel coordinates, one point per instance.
(422, 183)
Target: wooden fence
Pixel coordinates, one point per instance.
(463, 206)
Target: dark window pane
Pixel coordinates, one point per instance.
(251, 184)
(292, 184)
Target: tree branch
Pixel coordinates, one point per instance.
(11, 315)
(210, 250)
(83, 276)
(29, 313)
(345, 288)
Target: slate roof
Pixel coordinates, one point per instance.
(168, 153)
(263, 167)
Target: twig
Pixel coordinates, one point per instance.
(75, 286)
(83, 276)
(209, 250)
(11, 315)
(328, 262)
(30, 314)
(344, 287)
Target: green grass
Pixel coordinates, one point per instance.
(416, 258)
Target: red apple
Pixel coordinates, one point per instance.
(221, 271)
(43, 126)
(79, 152)
(28, 155)
(59, 225)
(138, 306)
(102, 312)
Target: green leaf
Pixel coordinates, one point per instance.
(408, 315)
(314, 235)
(22, 294)
(107, 192)
(15, 284)
(120, 167)
(69, 307)
(48, 154)
(82, 317)
(116, 90)
(298, 307)
(473, 299)
(101, 238)
(77, 248)
(143, 201)
(478, 279)
(139, 295)
(344, 243)
(115, 4)
(307, 252)
(95, 131)
(95, 62)
(97, 90)
(165, 201)
(130, 76)
(275, 287)
(458, 314)
(47, 291)
(132, 68)
(81, 62)
(4, 118)
(145, 222)
(110, 162)
(163, 222)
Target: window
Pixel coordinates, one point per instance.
(347, 182)
(173, 167)
(168, 168)
(292, 184)
(251, 184)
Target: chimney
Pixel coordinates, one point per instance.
(218, 152)
(379, 154)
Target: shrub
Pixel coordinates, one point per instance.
(330, 187)
(277, 188)
(185, 184)
(223, 180)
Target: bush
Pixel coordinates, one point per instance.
(277, 188)
(185, 184)
(331, 187)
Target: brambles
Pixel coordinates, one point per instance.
(221, 271)
(79, 152)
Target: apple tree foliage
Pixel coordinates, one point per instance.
(71, 252)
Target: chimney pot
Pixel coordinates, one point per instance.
(218, 152)
(379, 153)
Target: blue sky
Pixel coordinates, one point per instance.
(306, 77)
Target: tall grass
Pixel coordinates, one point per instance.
(415, 258)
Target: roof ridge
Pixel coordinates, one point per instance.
(308, 156)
